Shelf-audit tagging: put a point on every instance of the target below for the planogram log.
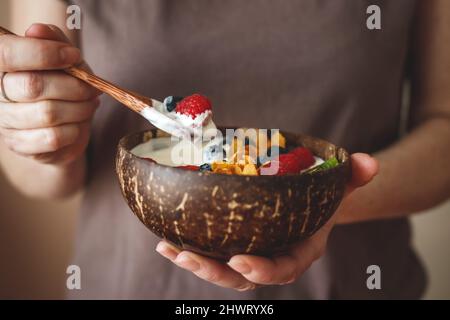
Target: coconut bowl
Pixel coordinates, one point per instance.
(220, 215)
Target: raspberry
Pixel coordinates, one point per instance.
(287, 164)
(193, 105)
(305, 156)
(189, 167)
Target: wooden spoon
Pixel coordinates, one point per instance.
(140, 104)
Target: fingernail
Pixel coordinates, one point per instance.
(287, 282)
(34, 25)
(166, 251)
(187, 263)
(69, 55)
(240, 267)
(247, 287)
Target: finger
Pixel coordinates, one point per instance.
(36, 141)
(207, 269)
(167, 250)
(46, 31)
(51, 32)
(21, 54)
(265, 271)
(45, 114)
(213, 271)
(29, 86)
(364, 169)
(68, 153)
(286, 268)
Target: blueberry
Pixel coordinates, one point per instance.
(281, 150)
(288, 148)
(262, 160)
(249, 142)
(270, 155)
(259, 162)
(205, 167)
(214, 151)
(171, 102)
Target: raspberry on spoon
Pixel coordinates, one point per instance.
(193, 105)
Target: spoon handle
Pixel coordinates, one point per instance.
(132, 100)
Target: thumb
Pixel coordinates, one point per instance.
(364, 169)
(51, 32)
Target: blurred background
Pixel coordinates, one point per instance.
(36, 240)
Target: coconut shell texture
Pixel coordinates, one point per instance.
(220, 215)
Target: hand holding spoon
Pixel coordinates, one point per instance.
(143, 105)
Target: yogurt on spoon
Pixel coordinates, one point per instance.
(194, 113)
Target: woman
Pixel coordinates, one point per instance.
(303, 66)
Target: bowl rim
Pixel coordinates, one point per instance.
(343, 159)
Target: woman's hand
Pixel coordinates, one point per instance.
(244, 272)
(49, 118)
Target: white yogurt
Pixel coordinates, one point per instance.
(171, 151)
(200, 126)
(174, 153)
